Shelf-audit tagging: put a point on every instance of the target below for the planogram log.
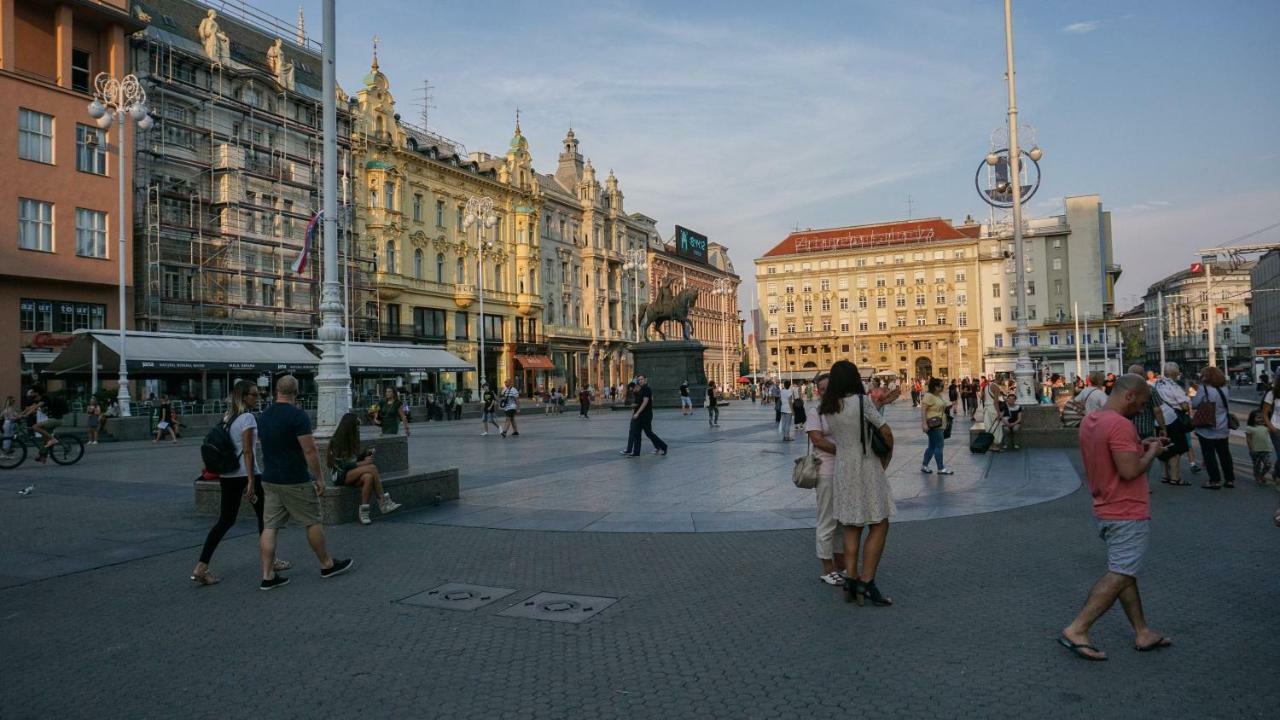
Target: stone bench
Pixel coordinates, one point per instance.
(340, 504)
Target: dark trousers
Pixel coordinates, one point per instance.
(1217, 460)
(644, 424)
(584, 408)
(232, 493)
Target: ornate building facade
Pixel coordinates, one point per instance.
(410, 190)
(716, 322)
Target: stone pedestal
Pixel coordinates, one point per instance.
(669, 363)
(1041, 428)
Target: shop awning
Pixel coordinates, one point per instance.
(535, 362)
(384, 358)
(179, 352)
(38, 357)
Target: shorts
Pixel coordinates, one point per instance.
(686, 401)
(50, 425)
(509, 413)
(488, 416)
(284, 502)
(1127, 542)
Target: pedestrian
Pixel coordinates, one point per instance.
(584, 403)
(93, 417)
(509, 403)
(458, 401)
(391, 414)
(165, 421)
(353, 467)
(1093, 396)
(1011, 420)
(10, 416)
(1192, 389)
(798, 414)
(1214, 438)
(1270, 410)
(112, 411)
(292, 482)
(686, 402)
(953, 394)
(1259, 441)
(828, 535)
(1148, 420)
(933, 422)
(1115, 463)
(787, 416)
(642, 421)
(992, 398)
(1173, 403)
(862, 496)
(713, 407)
(489, 405)
(915, 393)
(775, 399)
(242, 426)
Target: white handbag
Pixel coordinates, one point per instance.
(805, 473)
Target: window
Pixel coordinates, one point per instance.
(1057, 243)
(461, 325)
(440, 267)
(791, 306)
(428, 323)
(389, 195)
(995, 314)
(826, 304)
(999, 339)
(35, 315)
(880, 302)
(417, 207)
(884, 346)
(808, 306)
(862, 302)
(497, 278)
(862, 326)
(390, 258)
(1031, 287)
(773, 332)
(1057, 263)
(1053, 337)
(899, 280)
(901, 321)
(962, 299)
(35, 136)
(962, 319)
(458, 218)
(879, 281)
(269, 292)
(897, 259)
(791, 328)
(80, 70)
(91, 150)
(1031, 312)
(919, 301)
(806, 287)
(773, 309)
(808, 327)
(417, 263)
(439, 213)
(844, 283)
(862, 262)
(459, 271)
(882, 325)
(961, 276)
(940, 299)
(91, 233)
(942, 318)
(824, 284)
(826, 325)
(1057, 287)
(773, 288)
(789, 289)
(995, 290)
(921, 320)
(844, 303)
(35, 225)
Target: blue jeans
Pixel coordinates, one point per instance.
(935, 448)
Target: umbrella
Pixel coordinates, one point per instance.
(744, 380)
(886, 373)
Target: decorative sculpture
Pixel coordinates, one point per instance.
(668, 306)
(216, 44)
(280, 67)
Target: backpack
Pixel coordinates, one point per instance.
(1073, 411)
(218, 451)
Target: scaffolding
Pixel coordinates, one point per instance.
(226, 184)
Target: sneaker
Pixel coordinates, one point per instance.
(339, 567)
(273, 583)
(514, 434)
(486, 432)
(925, 470)
(387, 505)
(1195, 468)
(364, 515)
(946, 471)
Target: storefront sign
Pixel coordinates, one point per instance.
(50, 340)
(691, 245)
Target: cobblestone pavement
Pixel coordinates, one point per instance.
(727, 624)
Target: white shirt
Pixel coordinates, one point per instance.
(1169, 396)
(1094, 399)
(786, 396)
(510, 398)
(828, 466)
(1270, 397)
(243, 422)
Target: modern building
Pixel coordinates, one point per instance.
(1221, 290)
(1264, 312)
(690, 260)
(1071, 275)
(410, 193)
(59, 267)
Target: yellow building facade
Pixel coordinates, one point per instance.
(409, 190)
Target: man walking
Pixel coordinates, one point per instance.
(686, 402)
(288, 453)
(510, 405)
(490, 401)
(786, 416)
(1116, 463)
(642, 421)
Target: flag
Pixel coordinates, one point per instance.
(299, 265)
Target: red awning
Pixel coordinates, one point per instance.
(535, 362)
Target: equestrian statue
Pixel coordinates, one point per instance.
(668, 305)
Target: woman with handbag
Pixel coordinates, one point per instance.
(933, 421)
(1213, 422)
(353, 467)
(1173, 402)
(862, 497)
(828, 535)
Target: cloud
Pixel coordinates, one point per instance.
(1144, 206)
(1081, 28)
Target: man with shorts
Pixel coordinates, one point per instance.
(46, 416)
(686, 402)
(288, 454)
(1116, 463)
(490, 401)
(510, 405)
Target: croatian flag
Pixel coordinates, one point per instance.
(300, 264)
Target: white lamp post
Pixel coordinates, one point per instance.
(637, 263)
(724, 288)
(118, 101)
(480, 215)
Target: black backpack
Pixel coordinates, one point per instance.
(218, 451)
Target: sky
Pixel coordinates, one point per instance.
(746, 120)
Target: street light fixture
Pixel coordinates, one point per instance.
(724, 288)
(111, 98)
(637, 263)
(480, 215)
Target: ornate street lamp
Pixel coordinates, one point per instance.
(724, 288)
(637, 263)
(480, 215)
(118, 101)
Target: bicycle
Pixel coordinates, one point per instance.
(66, 451)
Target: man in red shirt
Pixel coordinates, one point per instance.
(1116, 463)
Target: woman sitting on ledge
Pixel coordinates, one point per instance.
(356, 468)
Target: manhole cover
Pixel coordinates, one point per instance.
(458, 596)
(559, 608)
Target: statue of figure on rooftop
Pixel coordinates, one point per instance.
(216, 44)
(281, 68)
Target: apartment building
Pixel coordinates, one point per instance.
(59, 261)
(1190, 297)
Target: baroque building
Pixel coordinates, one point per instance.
(410, 189)
(716, 324)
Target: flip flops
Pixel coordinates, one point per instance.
(1077, 648)
(1163, 642)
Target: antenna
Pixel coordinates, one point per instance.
(424, 102)
(910, 206)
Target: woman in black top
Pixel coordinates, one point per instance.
(713, 408)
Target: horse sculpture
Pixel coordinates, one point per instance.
(667, 306)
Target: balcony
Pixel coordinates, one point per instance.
(567, 331)
(407, 333)
(463, 295)
(528, 304)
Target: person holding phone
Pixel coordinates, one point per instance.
(354, 467)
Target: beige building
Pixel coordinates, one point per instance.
(716, 323)
(900, 297)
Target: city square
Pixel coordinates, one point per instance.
(638, 360)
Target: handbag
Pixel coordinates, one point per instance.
(805, 474)
(879, 446)
(946, 432)
(1206, 414)
(934, 423)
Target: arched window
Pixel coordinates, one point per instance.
(389, 194)
(391, 256)
(440, 267)
(459, 271)
(417, 263)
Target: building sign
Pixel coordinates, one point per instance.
(50, 340)
(861, 240)
(691, 245)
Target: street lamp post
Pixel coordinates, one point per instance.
(118, 101)
(637, 263)
(480, 214)
(724, 288)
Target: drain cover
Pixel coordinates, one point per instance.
(458, 596)
(559, 608)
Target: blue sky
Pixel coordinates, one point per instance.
(744, 120)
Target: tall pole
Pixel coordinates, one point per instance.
(1023, 372)
(1105, 362)
(1075, 317)
(1213, 310)
(332, 377)
(122, 378)
(1087, 368)
(1160, 328)
(480, 288)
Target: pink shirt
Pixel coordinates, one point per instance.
(1114, 498)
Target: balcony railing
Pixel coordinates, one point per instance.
(407, 333)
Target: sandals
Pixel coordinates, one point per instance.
(1163, 642)
(1180, 482)
(1077, 648)
(832, 578)
(280, 565)
(205, 578)
(1211, 486)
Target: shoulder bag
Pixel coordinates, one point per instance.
(1233, 422)
(805, 473)
(1206, 414)
(879, 446)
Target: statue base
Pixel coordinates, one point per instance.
(669, 363)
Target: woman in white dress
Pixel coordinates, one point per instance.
(862, 495)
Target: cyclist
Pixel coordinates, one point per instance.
(48, 416)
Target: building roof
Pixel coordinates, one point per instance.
(900, 232)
